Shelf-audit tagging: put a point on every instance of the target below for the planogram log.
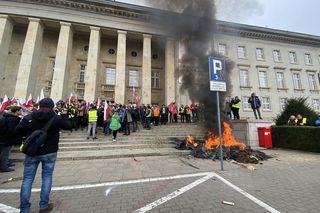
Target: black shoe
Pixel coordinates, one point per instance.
(48, 209)
(11, 165)
(88, 138)
(7, 170)
(94, 138)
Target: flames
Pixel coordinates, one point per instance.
(212, 141)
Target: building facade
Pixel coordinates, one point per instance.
(108, 49)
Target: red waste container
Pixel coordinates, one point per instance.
(265, 137)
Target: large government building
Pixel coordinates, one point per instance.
(106, 49)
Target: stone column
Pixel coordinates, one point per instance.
(170, 72)
(6, 27)
(120, 86)
(92, 65)
(61, 68)
(146, 70)
(27, 73)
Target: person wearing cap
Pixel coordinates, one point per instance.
(93, 118)
(9, 139)
(46, 154)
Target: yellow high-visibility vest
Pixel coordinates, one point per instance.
(93, 115)
(236, 105)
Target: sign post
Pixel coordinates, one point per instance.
(218, 84)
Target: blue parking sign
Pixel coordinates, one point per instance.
(216, 74)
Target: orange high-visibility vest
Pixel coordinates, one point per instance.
(156, 112)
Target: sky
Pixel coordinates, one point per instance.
(301, 16)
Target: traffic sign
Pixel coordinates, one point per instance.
(216, 74)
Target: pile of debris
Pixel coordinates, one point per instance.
(209, 148)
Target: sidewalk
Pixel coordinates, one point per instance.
(289, 182)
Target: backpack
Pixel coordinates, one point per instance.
(35, 140)
(3, 126)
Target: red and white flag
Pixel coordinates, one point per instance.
(41, 95)
(38, 100)
(77, 100)
(70, 98)
(13, 100)
(134, 95)
(5, 103)
(29, 101)
(106, 112)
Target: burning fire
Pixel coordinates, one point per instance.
(212, 141)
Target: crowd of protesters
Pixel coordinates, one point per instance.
(107, 117)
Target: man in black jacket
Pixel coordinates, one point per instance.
(47, 154)
(9, 139)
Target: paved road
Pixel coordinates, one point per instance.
(287, 183)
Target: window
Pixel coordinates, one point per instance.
(263, 79)
(280, 80)
(244, 78)
(283, 103)
(312, 81)
(51, 68)
(241, 52)
(222, 48)
(316, 104)
(245, 104)
(133, 78)
(276, 55)
(297, 81)
(259, 54)
(155, 80)
(266, 103)
(110, 76)
(293, 57)
(82, 72)
(307, 59)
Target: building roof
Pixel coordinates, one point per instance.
(148, 14)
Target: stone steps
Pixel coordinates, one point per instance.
(108, 154)
(160, 141)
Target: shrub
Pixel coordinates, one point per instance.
(299, 138)
(296, 106)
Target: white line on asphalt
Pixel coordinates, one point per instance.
(116, 183)
(147, 180)
(173, 194)
(8, 209)
(249, 196)
(108, 191)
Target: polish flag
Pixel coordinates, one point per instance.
(77, 100)
(70, 98)
(29, 101)
(106, 112)
(41, 95)
(38, 100)
(134, 95)
(87, 106)
(4, 104)
(13, 100)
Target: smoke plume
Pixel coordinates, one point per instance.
(194, 28)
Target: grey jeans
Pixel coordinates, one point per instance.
(4, 156)
(93, 126)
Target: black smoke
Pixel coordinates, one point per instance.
(194, 27)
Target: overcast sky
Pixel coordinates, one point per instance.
(292, 15)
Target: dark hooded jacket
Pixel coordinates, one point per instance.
(10, 138)
(37, 120)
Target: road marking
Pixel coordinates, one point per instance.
(148, 180)
(247, 195)
(8, 209)
(115, 183)
(108, 191)
(173, 194)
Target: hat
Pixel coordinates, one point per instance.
(46, 103)
(15, 108)
(91, 105)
